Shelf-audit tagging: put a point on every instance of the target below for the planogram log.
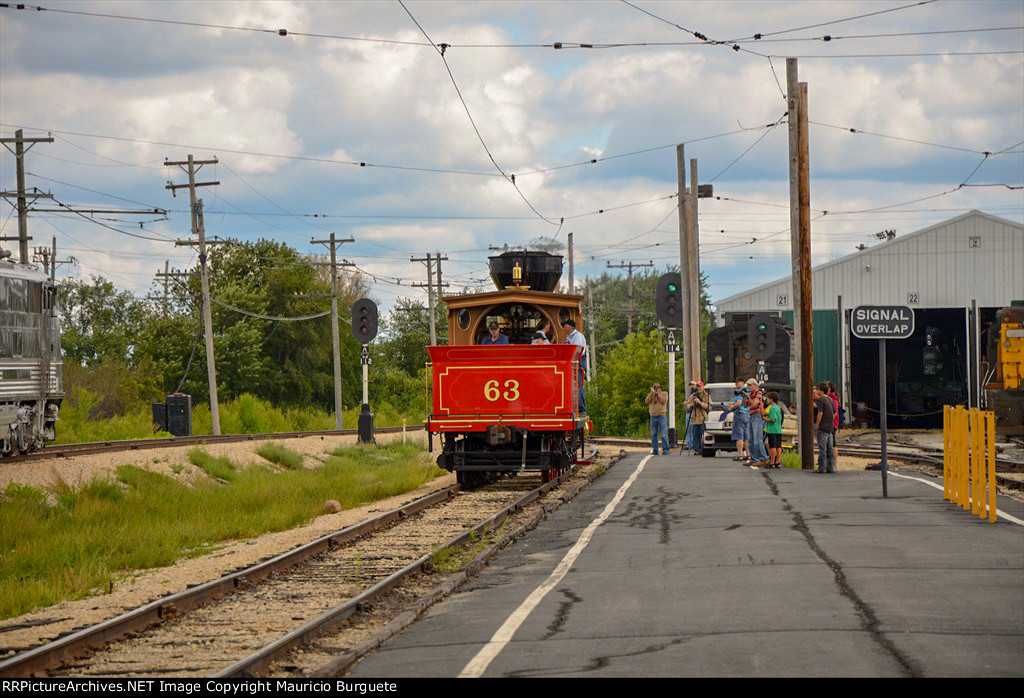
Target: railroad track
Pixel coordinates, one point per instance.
(239, 624)
(94, 447)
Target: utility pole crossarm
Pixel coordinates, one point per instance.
(22, 196)
(630, 312)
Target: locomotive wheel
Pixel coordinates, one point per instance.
(470, 478)
(548, 475)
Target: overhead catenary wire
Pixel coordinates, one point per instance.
(749, 148)
(761, 35)
(273, 318)
(511, 179)
(556, 45)
(411, 168)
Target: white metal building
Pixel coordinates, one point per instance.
(955, 274)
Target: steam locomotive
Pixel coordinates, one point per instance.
(31, 371)
(508, 408)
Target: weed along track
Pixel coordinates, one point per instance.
(240, 623)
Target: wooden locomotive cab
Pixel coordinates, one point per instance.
(508, 408)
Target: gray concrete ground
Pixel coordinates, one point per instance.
(707, 568)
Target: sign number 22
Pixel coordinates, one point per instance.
(492, 393)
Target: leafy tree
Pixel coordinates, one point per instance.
(406, 331)
(615, 398)
(98, 322)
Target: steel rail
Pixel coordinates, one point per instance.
(94, 447)
(50, 655)
(264, 657)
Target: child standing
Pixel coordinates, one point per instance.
(773, 430)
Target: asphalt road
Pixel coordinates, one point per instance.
(706, 568)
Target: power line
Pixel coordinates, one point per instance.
(903, 55)
(301, 158)
(740, 156)
(110, 227)
(557, 45)
(156, 209)
(761, 35)
(909, 140)
(510, 178)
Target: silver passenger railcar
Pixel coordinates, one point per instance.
(31, 370)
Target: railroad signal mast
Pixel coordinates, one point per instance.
(667, 305)
(364, 329)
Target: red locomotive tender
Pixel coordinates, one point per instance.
(500, 409)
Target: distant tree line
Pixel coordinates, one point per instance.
(127, 351)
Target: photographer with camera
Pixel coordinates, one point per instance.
(657, 406)
(698, 405)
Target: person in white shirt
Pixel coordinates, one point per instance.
(574, 337)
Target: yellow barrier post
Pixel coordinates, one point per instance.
(954, 443)
(982, 469)
(990, 418)
(977, 458)
(965, 458)
(945, 451)
(947, 455)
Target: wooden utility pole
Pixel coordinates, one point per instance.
(429, 285)
(44, 255)
(570, 265)
(438, 258)
(22, 197)
(591, 321)
(629, 288)
(684, 253)
(199, 230)
(800, 249)
(693, 290)
(165, 278)
(333, 243)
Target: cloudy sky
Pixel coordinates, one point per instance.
(929, 86)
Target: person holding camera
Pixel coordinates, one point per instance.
(740, 409)
(698, 405)
(657, 406)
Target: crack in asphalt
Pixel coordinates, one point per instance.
(597, 662)
(869, 622)
(562, 614)
(657, 512)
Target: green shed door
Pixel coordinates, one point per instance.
(826, 344)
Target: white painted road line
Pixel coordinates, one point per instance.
(478, 665)
(1003, 514)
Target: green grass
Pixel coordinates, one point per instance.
(447, 559)
(67, 542)
(218, 468)
(246, 414)
(282, 455)
(791, 459)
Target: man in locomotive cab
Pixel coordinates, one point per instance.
(495, 335)
(574, 337)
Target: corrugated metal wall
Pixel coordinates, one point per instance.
(972, 257)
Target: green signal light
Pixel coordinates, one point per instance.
(762, 326)
(673, 288)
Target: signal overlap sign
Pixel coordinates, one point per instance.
(882, 321)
